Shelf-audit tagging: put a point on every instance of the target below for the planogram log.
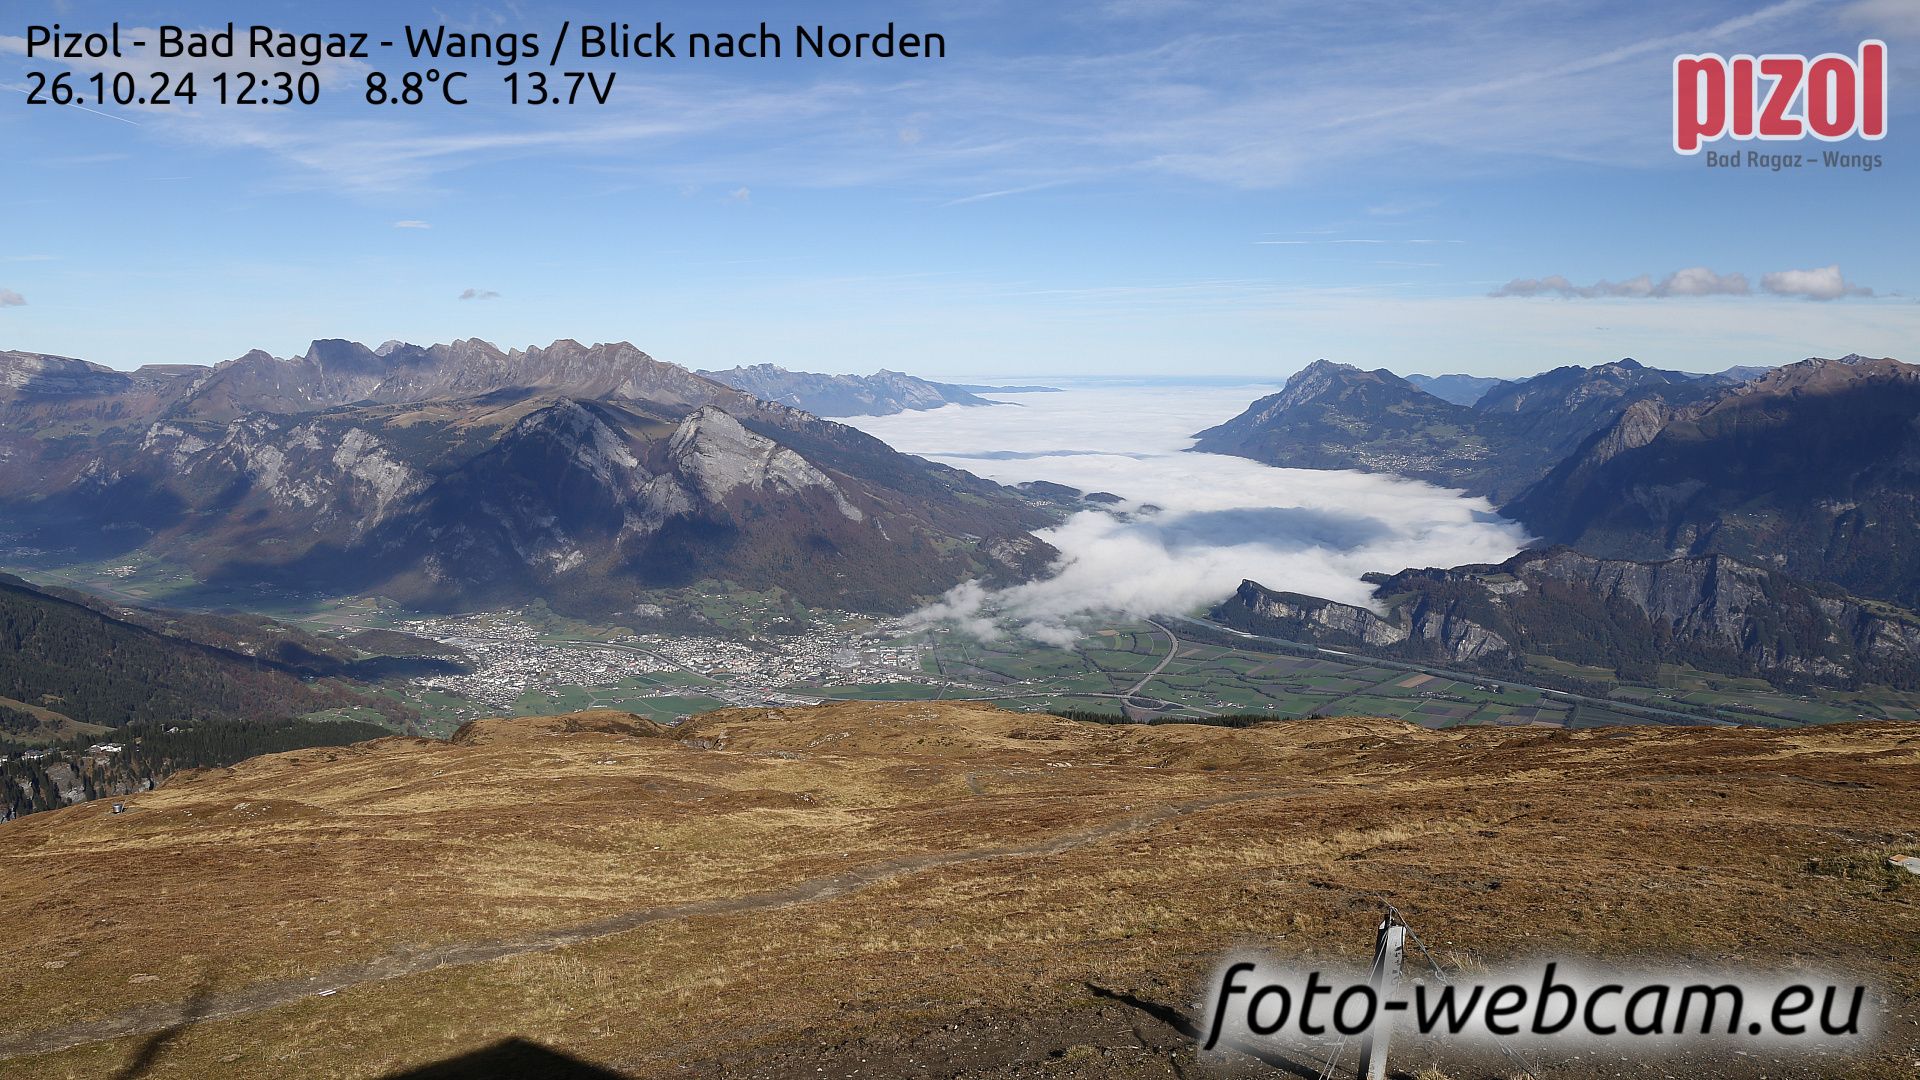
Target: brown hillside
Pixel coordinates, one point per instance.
(915, 889)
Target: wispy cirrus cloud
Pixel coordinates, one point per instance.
(1144, 87)
(479, 294)
(986, 196)
(1358, 241)
(1399, 207)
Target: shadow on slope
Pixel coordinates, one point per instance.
(510, 1059)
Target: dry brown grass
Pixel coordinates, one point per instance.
(234, 886)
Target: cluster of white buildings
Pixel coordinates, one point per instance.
(510, 657)
(811, 659)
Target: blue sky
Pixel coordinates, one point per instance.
(1128, 187)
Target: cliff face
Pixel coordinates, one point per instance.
(1427, 629)
(1712, 612)
(1319, 619)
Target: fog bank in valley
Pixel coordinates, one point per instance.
(1188, 527)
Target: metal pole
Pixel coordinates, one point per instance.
(1389, 950)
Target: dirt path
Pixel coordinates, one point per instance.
(148, 1019)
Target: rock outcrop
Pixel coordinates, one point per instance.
(1713, 612)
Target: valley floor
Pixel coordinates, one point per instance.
(534, 663)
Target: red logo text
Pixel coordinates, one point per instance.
(1779, 96)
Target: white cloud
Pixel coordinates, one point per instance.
(1693, 281)
(1192, 526)
(1700, 281)
(740, 195)
(411, 225)
(479, 294)
(1821, 283)
(9, 298)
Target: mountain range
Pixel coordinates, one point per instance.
(461, 475)
(1813, 468)
(1796, 487)
(882, 393)
(1333, 416)
(1459, 389)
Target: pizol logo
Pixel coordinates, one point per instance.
(1779, 96)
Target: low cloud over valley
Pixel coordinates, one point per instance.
(1190, 526)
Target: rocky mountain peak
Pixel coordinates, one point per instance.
(336, 352)
(1322, 369)
(1320, 378)
(718, 455)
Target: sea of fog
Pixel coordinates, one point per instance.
(1191, 526)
